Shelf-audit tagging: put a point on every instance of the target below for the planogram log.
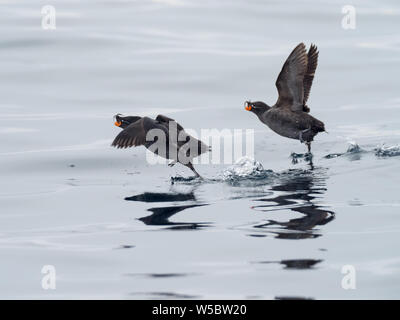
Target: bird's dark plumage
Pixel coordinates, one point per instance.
(312, 58)
(289, 116)
(134, 134)
(177, 145)
(290, 79)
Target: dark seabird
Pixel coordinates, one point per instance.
(168, 138)
(289, 116)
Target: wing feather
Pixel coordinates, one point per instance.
(312, 58)
(135, 134)
(290, 79)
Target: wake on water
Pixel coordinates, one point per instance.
(390, 151)
(248, 169)
(379, 151)
(352, 149)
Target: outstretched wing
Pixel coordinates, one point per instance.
(135, 134)
(312, 58)
(290, 79)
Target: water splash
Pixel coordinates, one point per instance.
(245, 168)
(353, 150)
(296, 157)
(384, 151)
(333, 155)
(186, 180)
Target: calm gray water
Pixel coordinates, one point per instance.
(115, 227)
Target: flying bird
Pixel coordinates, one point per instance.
(162, 135)
(290, 117)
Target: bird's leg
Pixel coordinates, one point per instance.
(172, 163)
(301, 137)
(309, 155)
(190, 166)
(301, 134)
(308, 144)
(311, 164)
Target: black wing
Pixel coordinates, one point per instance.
(135, 134)
(312, 58)
(290, 79)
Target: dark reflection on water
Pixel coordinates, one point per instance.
(160, 215)
(162, 197)
(166, 295)
(300, 190)
(166, 275)
(292, 298)
(125, 246)
(295, 190)
(298, 264)
(158, 275)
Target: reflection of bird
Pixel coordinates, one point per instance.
(162, 197)
(300, 191)
(289, 116)
(161, 215)
(298, 264)
(163, 136)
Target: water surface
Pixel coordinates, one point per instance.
(116, 227)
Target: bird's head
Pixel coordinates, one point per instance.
(123, 122)
(256, 106)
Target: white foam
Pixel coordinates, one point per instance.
(244, 167)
